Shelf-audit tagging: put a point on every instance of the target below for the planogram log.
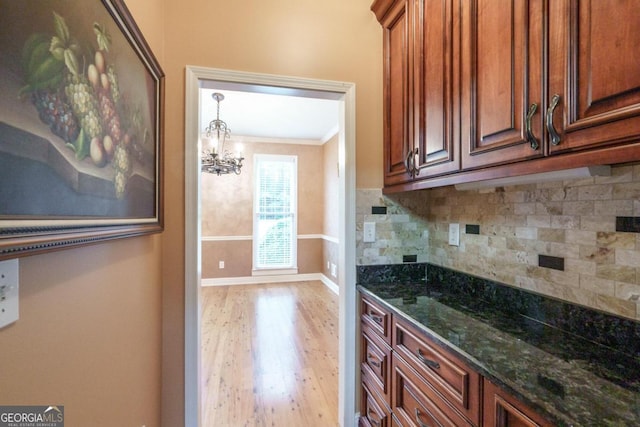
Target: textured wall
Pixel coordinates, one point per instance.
(574, 220)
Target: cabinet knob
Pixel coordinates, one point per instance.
(531, 139)
(416, 160)
(553, 134)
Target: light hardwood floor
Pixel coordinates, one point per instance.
(270, 355)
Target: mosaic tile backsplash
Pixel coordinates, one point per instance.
(574, 221)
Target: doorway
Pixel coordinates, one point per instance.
(195, 77)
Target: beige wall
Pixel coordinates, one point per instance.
(227, 210)
(331, 212)
(574, 220)
(89, 333)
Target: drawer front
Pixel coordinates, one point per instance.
(376, 318)
(376, 362)
(416, 404)
(457, 383)
(373, 413)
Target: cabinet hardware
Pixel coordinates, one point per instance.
(376, 318)
(416, 160)
(373, 421)
(420, 423)
(553, 134)
(373, 361)
(430, 363)
(531, 139)
(407, 163)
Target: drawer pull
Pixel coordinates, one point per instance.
(420, 423)
(373, 421)
(376, 318)
(373, 361)
(430, 363)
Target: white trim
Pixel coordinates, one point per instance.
(225, 238)
(331, 239)
(274, 271)
(266, 140)
(192, 253)
(330, 134)
(300, 237)
(253, 280)
(333, 287)
(346, 92)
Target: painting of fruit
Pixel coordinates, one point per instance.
(80, 116)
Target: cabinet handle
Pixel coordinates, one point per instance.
(373, 421)
(430, 363)
(373, 361)
(553, 134)
(408, 163)
(531, 139)
(376, 318)
(420, 423)
(416, 170)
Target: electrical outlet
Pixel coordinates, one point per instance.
(8, 292)
(369, 232)
(333, 269)
(454, 234)
(220, 265)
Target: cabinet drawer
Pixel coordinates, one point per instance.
(376, 318)
(415, 403)
(376, 363)
(503, 410)
(373, 413)
(456, 382)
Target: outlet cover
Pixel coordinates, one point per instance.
(369, 232)
(8, 292)
(454, 234)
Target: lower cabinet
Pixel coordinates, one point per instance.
(503, 410)
(415, 382)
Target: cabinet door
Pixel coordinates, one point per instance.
(434, 89)
(503, 410)
(594, 68)
(398, 139)
(501, 54)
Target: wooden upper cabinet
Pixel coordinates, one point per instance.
(501, 81)
(594, 68)
(435, 152)
(395, 17)
(418, 88)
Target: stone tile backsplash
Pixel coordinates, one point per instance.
(573, 220)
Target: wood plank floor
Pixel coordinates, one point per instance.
(270, 355)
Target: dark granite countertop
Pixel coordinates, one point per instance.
(570, 379)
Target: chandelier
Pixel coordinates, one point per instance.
(215, 158)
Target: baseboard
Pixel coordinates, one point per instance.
(333, 287)
(253, 280)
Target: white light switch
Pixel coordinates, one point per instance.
(369, 232)
(8, 292)
(454, 234)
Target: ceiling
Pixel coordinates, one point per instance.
(277, 113)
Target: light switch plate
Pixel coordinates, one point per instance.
(454, 234)
(8, 292)
(369, 232)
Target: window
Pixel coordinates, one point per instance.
(275, 214)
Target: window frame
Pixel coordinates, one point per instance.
(293, 267)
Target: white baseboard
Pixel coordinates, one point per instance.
(253, 280)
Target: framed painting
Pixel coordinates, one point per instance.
(81, 126)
